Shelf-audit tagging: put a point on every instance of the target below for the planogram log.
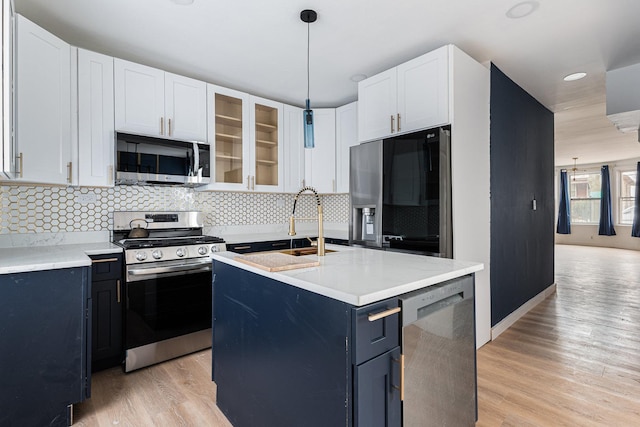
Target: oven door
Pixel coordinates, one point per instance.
(166, 300)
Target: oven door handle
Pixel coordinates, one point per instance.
(191, 268)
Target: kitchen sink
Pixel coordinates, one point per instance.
(304, 251)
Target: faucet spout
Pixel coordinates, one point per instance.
(292, 219)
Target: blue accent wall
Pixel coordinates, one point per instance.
(522, 162)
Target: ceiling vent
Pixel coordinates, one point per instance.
(623, 98)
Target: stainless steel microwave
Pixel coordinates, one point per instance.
(148, 160)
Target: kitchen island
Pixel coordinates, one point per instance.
(320, 345)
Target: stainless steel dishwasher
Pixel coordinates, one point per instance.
(438, 344)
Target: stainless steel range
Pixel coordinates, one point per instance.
(167, 284)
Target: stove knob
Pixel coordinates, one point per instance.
(181, 252)
(202, 250)
(141, 256)
(157, 254)
(214, 248)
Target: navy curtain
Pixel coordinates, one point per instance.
(564, 213)
(606, 218)
(635, 229)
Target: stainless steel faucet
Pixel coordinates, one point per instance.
(292, 219)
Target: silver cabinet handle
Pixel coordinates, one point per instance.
(382, 314)
(253, 182)
(248, 182)
(69, 172)
(118, 290)
(20, 157)
(170, 126)
(398, 122)
(392, 119)
(333, 185)
(161, 125)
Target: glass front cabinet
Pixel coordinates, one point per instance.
(246, 135)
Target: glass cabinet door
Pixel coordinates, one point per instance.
(229, 139)
(266, 145)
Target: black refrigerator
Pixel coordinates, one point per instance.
(400, 190)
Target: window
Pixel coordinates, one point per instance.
(585, 197)
(626, 197)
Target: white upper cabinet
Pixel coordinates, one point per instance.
(95, 119)
(7, 155)
(267, 145)
(320, 162)
(346, 137)
(246, 134)
(378, 107)
(42, 105)
(411, 96)
(228, 125)
(293, 149)
(149, 101)
(185, 107)
(139, 98)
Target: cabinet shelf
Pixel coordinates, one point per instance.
(227, 157)
(266, 143)
(266, 162)
(231, 138)
(266, 127)
(228, 120)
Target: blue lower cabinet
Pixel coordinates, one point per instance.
(282, 356)
(45, 348)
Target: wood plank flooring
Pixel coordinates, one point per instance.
(572, 361)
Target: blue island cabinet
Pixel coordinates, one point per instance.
(44, 346)
(284, 356)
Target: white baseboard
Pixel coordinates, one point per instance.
(505, 323)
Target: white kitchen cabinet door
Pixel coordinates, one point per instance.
(43, 105)
(346, 137)
(377, 106)
(267, 145)
(96, 152)
(139, 99)
(7, 155)
(185, 108)
(293, 149)
(320, 161)
(423, 92)
(228, 133)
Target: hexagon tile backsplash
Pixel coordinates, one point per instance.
(39, 209)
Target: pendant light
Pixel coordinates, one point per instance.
(308, 16)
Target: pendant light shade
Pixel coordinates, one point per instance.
(308, 16)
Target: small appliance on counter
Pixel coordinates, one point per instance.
(167, 284)
(400, 191)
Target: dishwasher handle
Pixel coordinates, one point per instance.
(419, 304)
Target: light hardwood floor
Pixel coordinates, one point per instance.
(572, 361)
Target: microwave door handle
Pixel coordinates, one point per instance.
(196, 159)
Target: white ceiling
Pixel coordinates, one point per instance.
(259, 47)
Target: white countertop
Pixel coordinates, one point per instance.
(361, 276)
(36, 258)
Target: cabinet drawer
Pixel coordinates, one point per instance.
(104, 267)
(373, 334)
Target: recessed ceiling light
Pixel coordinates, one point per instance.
(522, 9)
(574, 76)
(358, 77)
(183, 2)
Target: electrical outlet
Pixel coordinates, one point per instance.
(86, 199)
(280, 203)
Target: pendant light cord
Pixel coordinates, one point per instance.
(308, 47)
